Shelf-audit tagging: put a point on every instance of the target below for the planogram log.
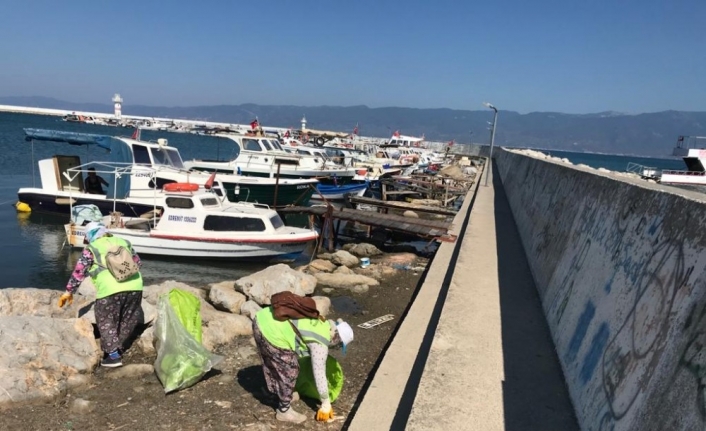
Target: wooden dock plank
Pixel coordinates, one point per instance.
(420, 227)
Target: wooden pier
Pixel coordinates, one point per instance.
(427, 229)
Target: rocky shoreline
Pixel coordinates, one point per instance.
(48, 353)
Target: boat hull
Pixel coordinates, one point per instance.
(286, 194)
(59, 203)
(153, 243)
(340, 192)
(173, 246)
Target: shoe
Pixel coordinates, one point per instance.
(290, 416)
(112, 360)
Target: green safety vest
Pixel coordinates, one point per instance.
(282, 335)
(104, 281)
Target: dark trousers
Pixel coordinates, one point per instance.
(117, 317)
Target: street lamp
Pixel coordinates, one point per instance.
(492, 139)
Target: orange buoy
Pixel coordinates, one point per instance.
(180, 187)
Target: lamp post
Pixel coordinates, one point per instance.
(492, 139)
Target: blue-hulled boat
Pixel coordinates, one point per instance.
(338, 192)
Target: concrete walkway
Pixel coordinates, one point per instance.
(474, 351)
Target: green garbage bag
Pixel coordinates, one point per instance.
(188, 309)
(306, 385)
(181, 359)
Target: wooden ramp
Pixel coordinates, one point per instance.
(401, 205)
(416, 226)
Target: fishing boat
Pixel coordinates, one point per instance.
(196, 222)
(339, 192)
(258, 155)
(135, 171)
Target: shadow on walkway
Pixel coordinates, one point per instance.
(535, 396)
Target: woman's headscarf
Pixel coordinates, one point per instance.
(95, 230)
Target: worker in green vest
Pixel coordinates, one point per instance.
(118, 307)
(281, 343)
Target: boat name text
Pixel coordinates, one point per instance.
(184, 219)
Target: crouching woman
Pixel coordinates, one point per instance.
(281, 343)
(118, 306)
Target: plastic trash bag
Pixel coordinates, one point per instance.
(306, 384)
(181, 360)
(188, 309)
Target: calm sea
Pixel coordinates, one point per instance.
(618, 163)
(35, 255)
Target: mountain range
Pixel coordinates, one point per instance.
(649, 134)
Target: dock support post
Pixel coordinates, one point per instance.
(329, 218)
(279, 165)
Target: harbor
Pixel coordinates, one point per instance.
(401, 296)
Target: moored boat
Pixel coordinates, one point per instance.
(338, 192)
(135, 171)
(201, 224)
(263, 156)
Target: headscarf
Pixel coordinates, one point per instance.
(95, 230)
(341, 331)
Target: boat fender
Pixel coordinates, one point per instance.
(180, 187)
(22, 207)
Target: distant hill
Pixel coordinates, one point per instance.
(608, 132)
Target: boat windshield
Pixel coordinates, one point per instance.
(251, 145)
(276, 221)
(267, 145)
(276, 145)
(167, 157)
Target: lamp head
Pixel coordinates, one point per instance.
(488, 105)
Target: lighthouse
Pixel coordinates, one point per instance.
(304, 123)
(118, 105)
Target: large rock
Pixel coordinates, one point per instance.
(321, 265)
(364, 250)
(40, 357)
(343, 270)
(29, 301)
(224, 328)
(378, 272)
(342, 257)
(250, 309)
(224, 297)
(323, 304)
(352, 282)
(146, 341)
(260, 286)
(399, 260)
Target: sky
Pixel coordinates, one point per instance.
(568, 56)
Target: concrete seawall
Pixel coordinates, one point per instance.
(620, 269)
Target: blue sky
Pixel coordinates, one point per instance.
(545, 55)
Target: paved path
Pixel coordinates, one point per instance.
(474, 351)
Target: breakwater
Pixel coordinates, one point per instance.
(620, 269)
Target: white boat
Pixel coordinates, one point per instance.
(200, 224)
(135, 171)
(263, 156)
(692, 149)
